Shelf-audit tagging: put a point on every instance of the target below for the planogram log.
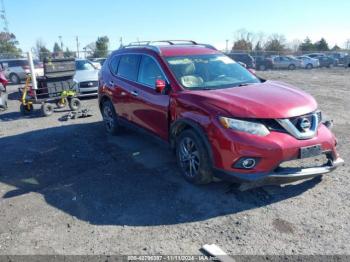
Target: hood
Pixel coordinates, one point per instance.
(266, 100)
(86, 75)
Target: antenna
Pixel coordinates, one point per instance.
(3, 17)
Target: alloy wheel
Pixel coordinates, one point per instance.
(189, 157)
(108, 118)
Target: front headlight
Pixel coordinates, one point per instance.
(244, 126)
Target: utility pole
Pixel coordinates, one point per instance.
(4, 17)
(77, 40)
(60, 37)
(227, 45)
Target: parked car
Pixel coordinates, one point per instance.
(220, 119)
(315, 55)
(247, 59)
(98, 61)
(3, 93)
(263, 63)
(86, 77)
(340, 56)
(347, 61)
(286, 62)
(309, 62)
(17, 69)
(327, 61)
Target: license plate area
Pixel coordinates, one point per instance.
(310, 151)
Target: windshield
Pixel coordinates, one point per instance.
(209, 72)
(84, 65)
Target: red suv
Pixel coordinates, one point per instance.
(220, 119)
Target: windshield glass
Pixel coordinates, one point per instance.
(84, 65)
(209, 72)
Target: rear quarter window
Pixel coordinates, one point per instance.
(113, 65)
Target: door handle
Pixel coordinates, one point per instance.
(111, 83)
(134, 93)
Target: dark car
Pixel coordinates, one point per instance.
(263, 63)
(347, 61)
(220, 119)
(247, 59)
(327, 61)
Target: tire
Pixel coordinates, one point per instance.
(262, 67)
(47, 109)
(330, 66)
(291, 67)
(309, 66)
(193, 158)
(74, 104)
(26, 109)
(59, 103)
(110, 118)
(14, 79)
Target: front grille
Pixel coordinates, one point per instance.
(273, 125)
(297, 120)
(316, 161)
(88, 84)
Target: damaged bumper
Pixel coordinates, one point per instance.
(280, 176)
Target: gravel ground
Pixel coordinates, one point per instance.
(67, 188)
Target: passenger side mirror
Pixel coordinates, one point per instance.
(160, 86)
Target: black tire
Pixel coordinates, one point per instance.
(74, 104)
(26, 109)
(195, 166)
(309, 66)
(14, 79)
(291, 67)
(110, 118)
(47, 109)
(262, 67)
(59, 103)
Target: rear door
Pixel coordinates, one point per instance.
(124, 71)
(149, 108)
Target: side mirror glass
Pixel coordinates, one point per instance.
(160, 85)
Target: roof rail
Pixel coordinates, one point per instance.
(153, 45)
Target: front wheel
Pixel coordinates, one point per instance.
(26, 109)
(193, 158)
(309, 66)
(291, 67)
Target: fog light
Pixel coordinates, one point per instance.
(246, 163)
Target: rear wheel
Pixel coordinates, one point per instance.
(74, 104)
(47, 109)
(110, 117)
(193, 158)
(15, 79)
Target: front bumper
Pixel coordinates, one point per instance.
(280, 176)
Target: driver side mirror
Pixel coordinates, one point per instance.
(160, 86)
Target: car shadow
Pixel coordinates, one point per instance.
(123, 180)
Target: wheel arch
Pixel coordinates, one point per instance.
(183, 124)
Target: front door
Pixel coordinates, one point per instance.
(150, 108)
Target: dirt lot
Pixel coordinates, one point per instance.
(67, 188)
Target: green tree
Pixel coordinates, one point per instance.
(306, 45)
(276, 43)
(101, 49)
(322, 45)
(242, 45)
(68, 53)
(57, 48)
(336, 48)
(9, 45)
(41, 50)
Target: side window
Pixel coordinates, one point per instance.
(149, 71)
(113, 65)
(128, 66)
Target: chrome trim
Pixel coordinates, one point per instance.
(291, 128)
